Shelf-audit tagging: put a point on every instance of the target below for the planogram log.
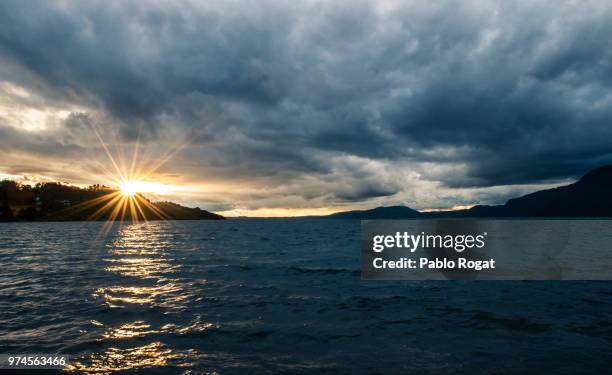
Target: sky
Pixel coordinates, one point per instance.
(272, 108)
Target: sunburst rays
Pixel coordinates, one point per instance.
(124, 200)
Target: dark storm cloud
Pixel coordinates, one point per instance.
(137, 60)
(365, 191)
(514, 92)
(14, 140)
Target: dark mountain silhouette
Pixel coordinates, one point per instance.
(177, 212)
(590, 196)
(393, 212)
(61, 202)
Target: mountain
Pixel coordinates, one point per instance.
(590, 196)
(149, 211)
(177, 212)
(393, 212)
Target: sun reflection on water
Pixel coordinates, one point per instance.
(129, 330)
(136, 295)
(116, 359)
(145, 269)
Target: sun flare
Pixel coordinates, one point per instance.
(127, 197)
(128, 189)
(132, 187)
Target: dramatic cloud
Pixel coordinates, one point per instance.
(312, 104)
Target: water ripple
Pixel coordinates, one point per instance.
(267, 296)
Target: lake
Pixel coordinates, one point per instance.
(276, 295)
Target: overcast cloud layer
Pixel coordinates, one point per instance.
(313, 104)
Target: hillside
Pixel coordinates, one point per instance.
(62, 202)
(393, 212)
(590, 196)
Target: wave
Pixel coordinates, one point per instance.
(486, 319)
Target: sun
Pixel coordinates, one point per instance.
(129, 189)
(132, 187)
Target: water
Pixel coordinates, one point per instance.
(273, 295)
